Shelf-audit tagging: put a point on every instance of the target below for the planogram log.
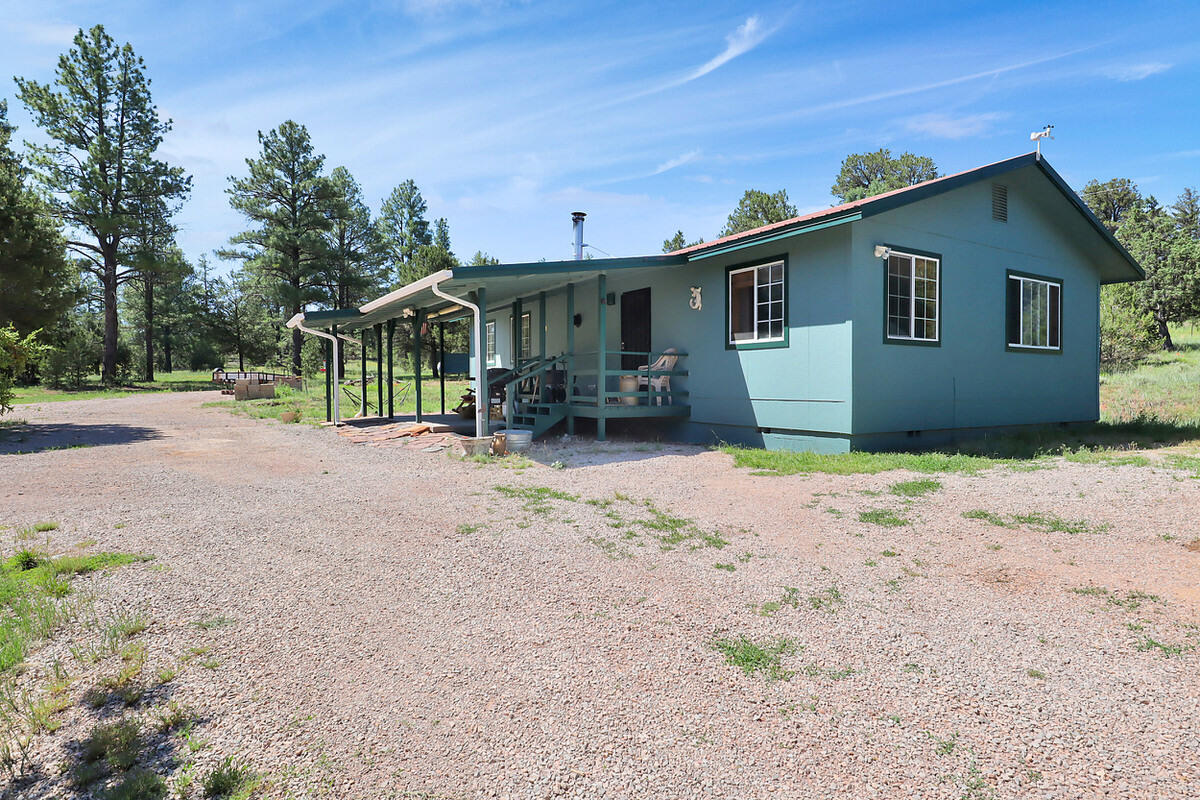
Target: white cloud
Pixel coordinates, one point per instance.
(1136, 72)
(749, 35)
(945, 126)
(678, 161)
(43, 33)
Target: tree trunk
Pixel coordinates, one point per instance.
(149, 328)
(297, 343)
(1165, 333)
(108, 372)
(167, 349)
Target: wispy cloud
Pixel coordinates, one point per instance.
(678, 161)
(919, 88)
(1136, 72)
(749, 35)
(945, 126)
(43, 33)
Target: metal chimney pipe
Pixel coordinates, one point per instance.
(577, 226)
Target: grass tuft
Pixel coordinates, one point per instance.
(883, 517)
(751, 657)
(230, 780)
(915, 488)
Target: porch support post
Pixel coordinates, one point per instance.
(362, 411)
(542, 325)
(379, 369)
(510, 394)
(567, 385)
(417, 360)
(442, 362)
(482, 411)
(329, 377)
(391, 335)
(516, 340)
(602, 355)
(336, 363)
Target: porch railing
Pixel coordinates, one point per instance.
(598, 391)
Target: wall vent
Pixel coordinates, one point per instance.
(999, 202)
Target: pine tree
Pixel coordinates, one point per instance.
(868, 174)
(104, 132)
(404, 229)
(1171, 259)
(757, 209)
(292, 206)
(353, 243)
(38, 283)
(1111, 200)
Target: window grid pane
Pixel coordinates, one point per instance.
(912, 297)
(1040, 314)
(756, 304)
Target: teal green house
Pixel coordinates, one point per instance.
(949, 308)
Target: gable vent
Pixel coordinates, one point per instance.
(999, 202)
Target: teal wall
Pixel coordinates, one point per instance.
(837, 384)
(793, 396)
(971, 380)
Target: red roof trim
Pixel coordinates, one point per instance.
(836, 210)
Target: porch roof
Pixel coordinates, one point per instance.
(503, 282)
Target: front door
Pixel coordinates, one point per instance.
(635, 327)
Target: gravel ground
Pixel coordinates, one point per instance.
(400, 628)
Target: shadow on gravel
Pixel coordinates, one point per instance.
(40, 436)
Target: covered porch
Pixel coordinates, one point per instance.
(543, 349)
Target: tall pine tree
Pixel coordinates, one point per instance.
(404, 230)
(104, 133)
(291, 205)
(38, 283)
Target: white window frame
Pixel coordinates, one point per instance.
(526, 346)
(490, 343)
(1021, 280)
(782, 337)
(912, 298)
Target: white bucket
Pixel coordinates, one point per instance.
(517, 441)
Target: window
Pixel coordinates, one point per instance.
(756, 305)
(913, 298)
(526, 334)
(1034, 313)
(491, 341)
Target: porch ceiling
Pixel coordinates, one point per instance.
(503, 283)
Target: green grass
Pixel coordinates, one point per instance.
(177, 381)
(827, 600)
(537, 498)
(1165, 649)
(916, 488)
(753, 657)
(988, 516)
(787, 462)
(32, 586)
(230, 780)
(1047, 523)
(1155, 405)
(1131, 601)
(883, 517)
(310, 401)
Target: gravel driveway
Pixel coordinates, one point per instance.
(403, 628)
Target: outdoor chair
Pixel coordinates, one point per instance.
(660, 383)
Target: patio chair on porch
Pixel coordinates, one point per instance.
(659, 383)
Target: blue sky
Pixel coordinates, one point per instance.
(510, 115)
